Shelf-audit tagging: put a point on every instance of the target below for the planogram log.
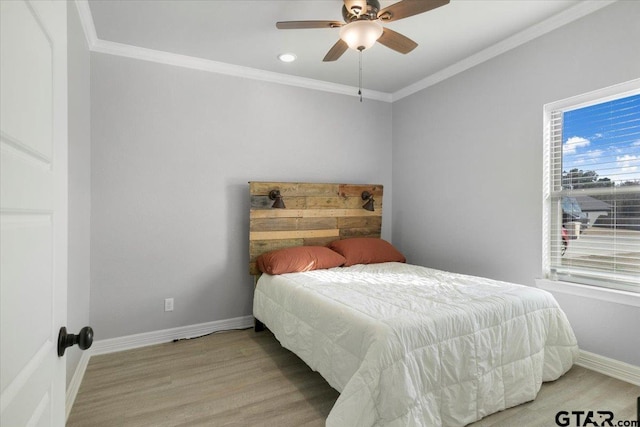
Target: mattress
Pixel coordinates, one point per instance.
(411, 346)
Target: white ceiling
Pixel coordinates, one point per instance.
(243, 33)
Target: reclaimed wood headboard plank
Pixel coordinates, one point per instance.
(315, 215)
(312, 213)
(278, 223)
(292, 234)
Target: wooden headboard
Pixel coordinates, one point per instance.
(315, 215)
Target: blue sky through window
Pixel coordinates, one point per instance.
(604, 138)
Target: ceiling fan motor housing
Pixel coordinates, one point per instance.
(363, 28)
(355, 11)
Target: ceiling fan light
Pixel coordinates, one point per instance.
(359, 35)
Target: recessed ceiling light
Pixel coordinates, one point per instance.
(287, 57)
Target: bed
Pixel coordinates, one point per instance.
(407, 345)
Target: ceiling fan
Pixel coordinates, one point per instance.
(362, 25)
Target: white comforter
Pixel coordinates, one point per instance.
(412, 346)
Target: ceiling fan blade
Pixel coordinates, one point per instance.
(336, 51)
(407, 8)
(295, 25)
(397, 41)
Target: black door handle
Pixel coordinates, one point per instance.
(84, 339)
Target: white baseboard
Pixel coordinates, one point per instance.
(129, 342)
(610, 367)
(76, 380)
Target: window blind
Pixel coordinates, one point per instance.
(593, 194)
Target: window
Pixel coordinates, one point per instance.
(592, 188)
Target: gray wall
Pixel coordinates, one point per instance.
(172, 152)
(467, 163)
(79, 183)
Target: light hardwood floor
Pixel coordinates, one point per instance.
(243, 378)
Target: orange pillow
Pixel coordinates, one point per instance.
(298, 258)
(366, 250)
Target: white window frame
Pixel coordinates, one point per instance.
(586, 288)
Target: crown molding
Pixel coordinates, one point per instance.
(112, 48)
(86, 20)
(167, 58)
(119, 49)
(582, 9)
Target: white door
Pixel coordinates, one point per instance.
(33, 210)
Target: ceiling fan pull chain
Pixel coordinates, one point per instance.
(360, 74)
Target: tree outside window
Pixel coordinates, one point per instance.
(592, 203)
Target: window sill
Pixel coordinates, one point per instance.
(593, 292)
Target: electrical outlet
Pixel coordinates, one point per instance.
(168, 304)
